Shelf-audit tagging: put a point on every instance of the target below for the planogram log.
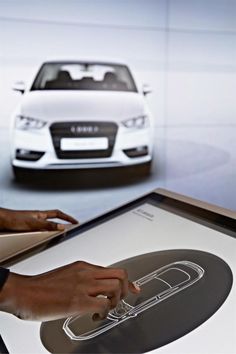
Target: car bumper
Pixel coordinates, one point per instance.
(130, 148)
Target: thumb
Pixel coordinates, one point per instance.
(48, 225)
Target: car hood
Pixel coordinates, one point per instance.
(54, 106)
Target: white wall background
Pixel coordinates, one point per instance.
(185, 49)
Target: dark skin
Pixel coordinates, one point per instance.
(66, 291)
(76, 288)
(33, 220)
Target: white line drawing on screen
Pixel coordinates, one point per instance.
(155, 287)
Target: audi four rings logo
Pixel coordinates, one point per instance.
(84, 129)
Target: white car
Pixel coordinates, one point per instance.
(81, 114)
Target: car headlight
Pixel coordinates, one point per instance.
(136, 123)
(28, 123)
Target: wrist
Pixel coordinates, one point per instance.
(12, 294)
(7, 294)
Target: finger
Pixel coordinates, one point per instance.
(44, 225)
(52, 226)
(115, 273)
(111, 288)
(101, 307)
(115, 299)
(50, 214)
(134, 288)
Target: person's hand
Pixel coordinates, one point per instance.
(77, 288)
(33, 220)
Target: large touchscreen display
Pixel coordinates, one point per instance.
(142, 229)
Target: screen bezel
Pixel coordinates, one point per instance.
(208, 218)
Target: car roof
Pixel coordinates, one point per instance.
(82, 61)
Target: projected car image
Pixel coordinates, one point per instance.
(78, 115)
(156, 287)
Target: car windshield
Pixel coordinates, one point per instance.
(84, 76)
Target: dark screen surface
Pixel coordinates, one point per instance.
(162, 323)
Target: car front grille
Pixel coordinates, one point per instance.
(83, 129)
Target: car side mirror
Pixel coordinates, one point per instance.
(146, 89)
(19, 86)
